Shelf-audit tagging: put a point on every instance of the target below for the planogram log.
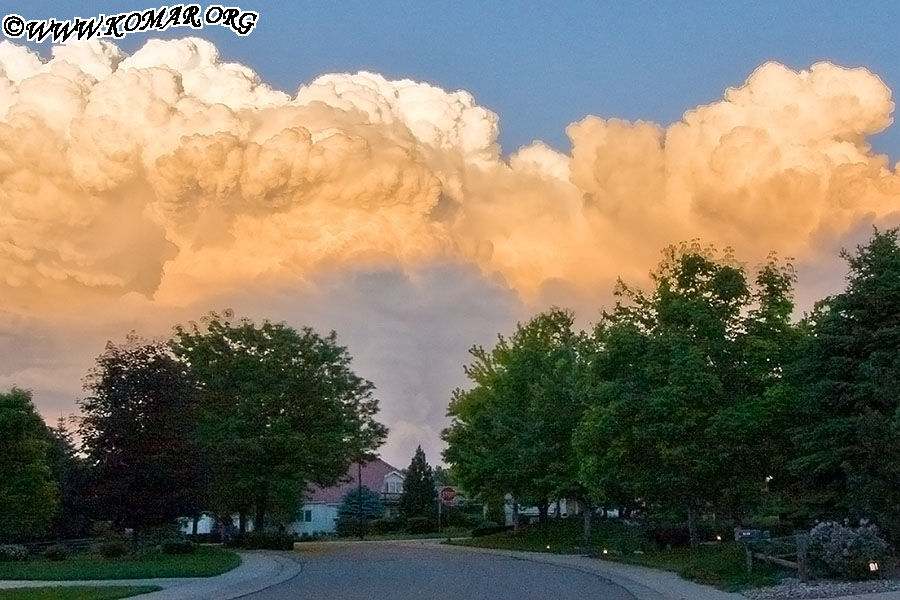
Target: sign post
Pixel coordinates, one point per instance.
(446, 495)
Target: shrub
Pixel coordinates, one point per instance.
(420, 525)
(489, 528)
(347, 526)
(382, 526)
(158, 536)
(178, 547)
(56, 552)
(844, 551)
(112, 549)
(13, 552)
(669, 536)
(263, 540)
(213, 537)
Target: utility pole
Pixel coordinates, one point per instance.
(359, 510)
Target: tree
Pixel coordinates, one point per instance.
(848, 418)
(511, 432)
(358, 507)
(675, 377)
(419, 496)
(138, 432)
(443, 476)
(281, 408)
(28, 495)
(71, 474)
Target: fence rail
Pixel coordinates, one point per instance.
(789, 552)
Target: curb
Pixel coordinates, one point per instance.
(258, 571)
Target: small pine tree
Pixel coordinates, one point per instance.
(348, 521)
(419, 496)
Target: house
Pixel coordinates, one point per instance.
(320, 509)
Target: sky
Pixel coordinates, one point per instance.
(147, 183)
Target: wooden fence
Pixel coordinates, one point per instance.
(789, 552)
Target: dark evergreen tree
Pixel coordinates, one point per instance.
(358, 507)
(847, 380)
(419, 496)
(70, 471)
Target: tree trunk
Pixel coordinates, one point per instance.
(259, 521)
(558, 512)
(692, 525)
(242, 521)
(586, 514)
(515, 516)
(543, 510)
(194, 526)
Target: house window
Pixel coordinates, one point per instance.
(307, 516)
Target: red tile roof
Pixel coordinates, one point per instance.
(373, 474)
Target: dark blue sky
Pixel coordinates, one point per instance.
(542, 65)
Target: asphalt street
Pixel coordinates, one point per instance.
(374, 571)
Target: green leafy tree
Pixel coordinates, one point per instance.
(281, 409)
(847, 379)
(511, 432)
(676, 376)
(419, 496)
(138, 433)
(28, 495)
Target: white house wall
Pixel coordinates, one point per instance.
(322, 519)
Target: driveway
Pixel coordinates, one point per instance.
(372, 571)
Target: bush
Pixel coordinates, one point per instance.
(263, 540)
(420, 525)
(13, 552)
(112, 549)
(489, 528)
(669, 536)
(382, 526)
(213, 537)
(841, 551)
(347, 526)
(56, 552)
(178, 547)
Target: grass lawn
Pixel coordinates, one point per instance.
(205, 562)
(563, 537)
(76, 593)
(721, 565)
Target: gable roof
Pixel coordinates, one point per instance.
(373, 474)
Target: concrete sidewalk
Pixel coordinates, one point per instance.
(641, 582)
(257, 571)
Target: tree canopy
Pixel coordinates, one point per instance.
(512, 430)
(137, 431)
(280, 408)
(847, 427)
(28, 494)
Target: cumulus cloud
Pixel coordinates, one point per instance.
(140, 188)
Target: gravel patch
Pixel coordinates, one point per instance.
(794, 588)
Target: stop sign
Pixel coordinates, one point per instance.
(448, 494)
